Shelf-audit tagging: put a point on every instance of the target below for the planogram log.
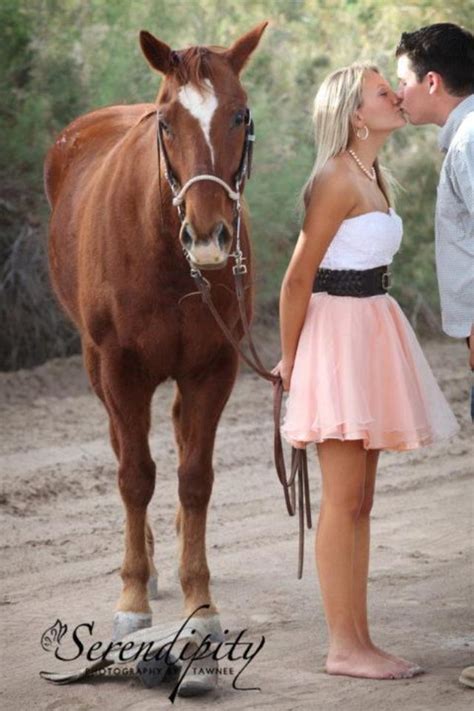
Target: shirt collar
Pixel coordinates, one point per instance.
(455, 119)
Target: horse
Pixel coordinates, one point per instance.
(143, 197)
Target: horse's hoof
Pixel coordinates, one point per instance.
(201, 678)
(212, 626)
(153, 587)
(127, 622)
(467, 677)
(153, 672)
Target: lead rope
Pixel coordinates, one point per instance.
(299, 460)
(298, 477)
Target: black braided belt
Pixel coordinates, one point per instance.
(353, 282)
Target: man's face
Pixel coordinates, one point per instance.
(415, 95)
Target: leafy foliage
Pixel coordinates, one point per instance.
(65, 57)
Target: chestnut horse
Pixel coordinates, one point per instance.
(120, 258)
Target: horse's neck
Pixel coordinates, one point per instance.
(138, 173)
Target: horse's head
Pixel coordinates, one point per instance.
(202, 123)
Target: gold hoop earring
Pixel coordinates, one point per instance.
(366, 134)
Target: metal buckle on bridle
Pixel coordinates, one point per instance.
(239, 267)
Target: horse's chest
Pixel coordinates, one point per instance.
(200, 336)
(175, 337)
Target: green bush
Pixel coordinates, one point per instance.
(63, 58)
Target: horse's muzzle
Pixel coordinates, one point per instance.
(210, 251)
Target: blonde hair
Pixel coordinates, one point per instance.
(338, 97)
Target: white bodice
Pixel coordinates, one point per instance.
(365, 241)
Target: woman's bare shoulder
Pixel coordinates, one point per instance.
(335, 182)
(335, 171)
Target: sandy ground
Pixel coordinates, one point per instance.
(62, 545)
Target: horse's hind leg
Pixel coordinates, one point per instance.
(201, 402)
(127, 394)
(91, 357)
(153, 579)
(176, 416)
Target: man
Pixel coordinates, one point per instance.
(436, 75)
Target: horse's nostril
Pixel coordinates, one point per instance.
(187, 236)
(221, 233)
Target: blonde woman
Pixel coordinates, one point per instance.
(357, 378)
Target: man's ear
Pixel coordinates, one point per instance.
(435, 82)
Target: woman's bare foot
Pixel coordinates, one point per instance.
(412, 666)
(403, 663)
(365, 663)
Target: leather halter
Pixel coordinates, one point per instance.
(299, 464)
(244, 171)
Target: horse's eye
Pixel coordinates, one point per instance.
(164, 127)
(239, 118)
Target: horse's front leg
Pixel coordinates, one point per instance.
(128, 397)
(196, 413)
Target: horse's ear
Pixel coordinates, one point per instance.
(158, 54)
(242, 48)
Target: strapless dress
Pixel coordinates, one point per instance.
(359, 371)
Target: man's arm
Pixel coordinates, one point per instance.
(463, 183)
(463, 175)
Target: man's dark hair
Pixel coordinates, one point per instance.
(443, 48)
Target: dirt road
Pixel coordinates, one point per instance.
(62, 525)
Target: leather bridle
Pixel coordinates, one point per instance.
(298, 478)
(243, 173)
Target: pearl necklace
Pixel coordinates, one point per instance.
(369, 173)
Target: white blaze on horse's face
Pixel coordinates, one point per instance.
(202, 106)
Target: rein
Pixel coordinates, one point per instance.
(296, 485)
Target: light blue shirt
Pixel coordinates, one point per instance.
(454, 223)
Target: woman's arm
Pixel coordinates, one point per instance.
(332, 199)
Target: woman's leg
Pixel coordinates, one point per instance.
(362, 550)
(343, 467)
(361, 561)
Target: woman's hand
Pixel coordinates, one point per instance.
(284, 370)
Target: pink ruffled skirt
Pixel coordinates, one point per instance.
(360, 373)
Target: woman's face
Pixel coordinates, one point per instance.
(380, 110)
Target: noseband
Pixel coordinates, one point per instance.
(299, 466)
